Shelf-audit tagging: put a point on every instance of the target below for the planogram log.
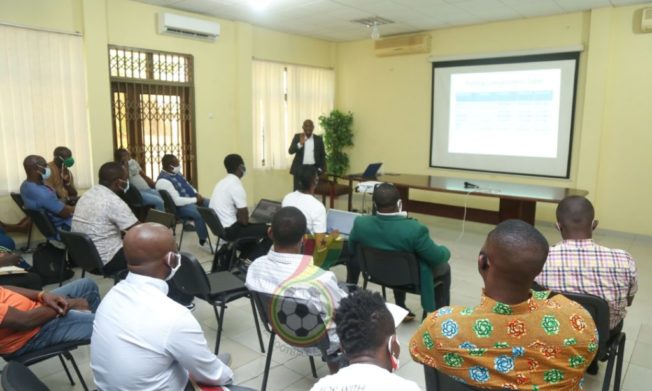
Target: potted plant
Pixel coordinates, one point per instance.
(338, 135)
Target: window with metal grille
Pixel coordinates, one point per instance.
(152, 97)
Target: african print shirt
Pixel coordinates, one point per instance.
(544, 343)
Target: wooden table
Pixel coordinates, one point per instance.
(516, 201)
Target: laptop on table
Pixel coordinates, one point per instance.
(372, 170)
(264, 211)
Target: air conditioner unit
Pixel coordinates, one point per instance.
(184, 26)
(646, 20)
(402, 44)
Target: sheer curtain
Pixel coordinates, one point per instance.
(42, 102)
(283, 97)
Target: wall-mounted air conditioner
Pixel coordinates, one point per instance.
(646, 20)
(184, 26)
(402, 44)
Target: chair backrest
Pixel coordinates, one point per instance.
(213, 221)
(166, 219)
(168, 202)
(42, 222)
(17, 377)
(82, 251)
(296, 321)
(191, 279)
(133, 198)
(437, 381)
(599, 310)
(390, 268)
(18, 199)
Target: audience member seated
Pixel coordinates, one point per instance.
(137, 178)
(185, 197)
(390, 229)
(142, 340)
(368, 338)
(61, 179)
(515, 338)
(37, 195)
(103, 215)
(285, 271)
(229, 200)
(32, 320)
(577, 264)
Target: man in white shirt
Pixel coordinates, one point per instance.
(142, 340)
(103, 215)
(185, 196)
(229, 200)
(308, 150)
(284, 270)
(304, 200)
(368, 336)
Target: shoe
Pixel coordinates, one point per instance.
(225, 358)
(409, 317)
(202, 242)
(188, 227)
(190, 306)
(593, 368)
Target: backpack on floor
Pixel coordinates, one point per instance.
(47, 262)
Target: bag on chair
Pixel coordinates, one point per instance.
(48, 261)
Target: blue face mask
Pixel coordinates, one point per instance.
(46, 173)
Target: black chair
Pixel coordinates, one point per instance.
(49, 232)
(62, 351)
(134, 199)
(611, 348)
(273, 309)
(396, 270)
(171, 208)
(218, 289)
(18, 199)
(82, 251)
(213, 222)
(437, 381)
(17, 377)
(163, 218)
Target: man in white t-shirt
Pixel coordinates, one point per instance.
(304, 200)
(229, 200)
(368, 337)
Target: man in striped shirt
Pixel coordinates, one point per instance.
(578, 264)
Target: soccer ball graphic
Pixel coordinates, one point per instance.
(298, 320)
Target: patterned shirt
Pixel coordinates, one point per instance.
(582, 266)
(544, 343)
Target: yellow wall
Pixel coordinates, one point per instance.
(612, 123)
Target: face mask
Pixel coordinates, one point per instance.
(176, 169)
(173, 270)
(69, 162)
(126, 187)
(393, 359)
(46, 172)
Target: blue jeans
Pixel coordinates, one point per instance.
(75, 326)
(191, 212)
(152, 197)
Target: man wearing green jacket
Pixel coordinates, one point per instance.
(390, 229)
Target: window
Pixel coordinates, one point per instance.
(283, 97)
(153, 111)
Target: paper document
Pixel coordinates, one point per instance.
(398, 313)
(11, 270)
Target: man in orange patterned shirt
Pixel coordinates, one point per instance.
(515, 338)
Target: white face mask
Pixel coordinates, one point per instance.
(394, 359)
(176, 169)
(173, 270)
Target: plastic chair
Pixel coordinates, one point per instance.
(163, 218)
(272, 310)
(82, 251)
(61, 350)
(610, 347)
(218, 289)
(437, 381)
(17, 377)
(18, 199)
(134, 199)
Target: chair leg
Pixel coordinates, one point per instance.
(610, 367)
(210, 245)
(180, 239)
(619, 363)
(220, 321)
(76, 368)
(65, 368)
(312, 367)
(384, 293)
(268, 361)
(260, 336)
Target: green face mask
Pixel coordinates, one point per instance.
(69, 162)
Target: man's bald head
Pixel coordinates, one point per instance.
(575, 215)
(146, 248)
(34, 166)
(386, 197)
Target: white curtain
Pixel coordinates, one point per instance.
(283, 97)
(42, 102)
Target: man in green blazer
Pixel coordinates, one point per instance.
(390, 229)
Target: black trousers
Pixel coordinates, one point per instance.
(23, 280)
(251, 250)
(296, 175)
(117, 263)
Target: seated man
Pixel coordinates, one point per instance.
(143, 340)
(368, 337)
(579, 265)
(33, 320)
(37, 195)
(185, 197)
(229, 200)
(103, 215)
(137, 178)
(515, 338)
(61, 179)
(390, 229)
(284, 270)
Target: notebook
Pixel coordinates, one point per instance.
(371, 170)
(264, 211)
(340, 220)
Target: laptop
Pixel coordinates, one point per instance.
(371, 170)
(264, 211)
(340, 220)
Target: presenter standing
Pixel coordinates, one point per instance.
(308, 150)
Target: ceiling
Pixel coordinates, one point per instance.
(331, 19)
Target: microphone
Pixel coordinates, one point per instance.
(469, 185)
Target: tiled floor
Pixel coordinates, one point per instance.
(291, 371)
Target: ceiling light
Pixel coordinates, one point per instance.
(373, 23)
(375, 33)
(259, 5)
